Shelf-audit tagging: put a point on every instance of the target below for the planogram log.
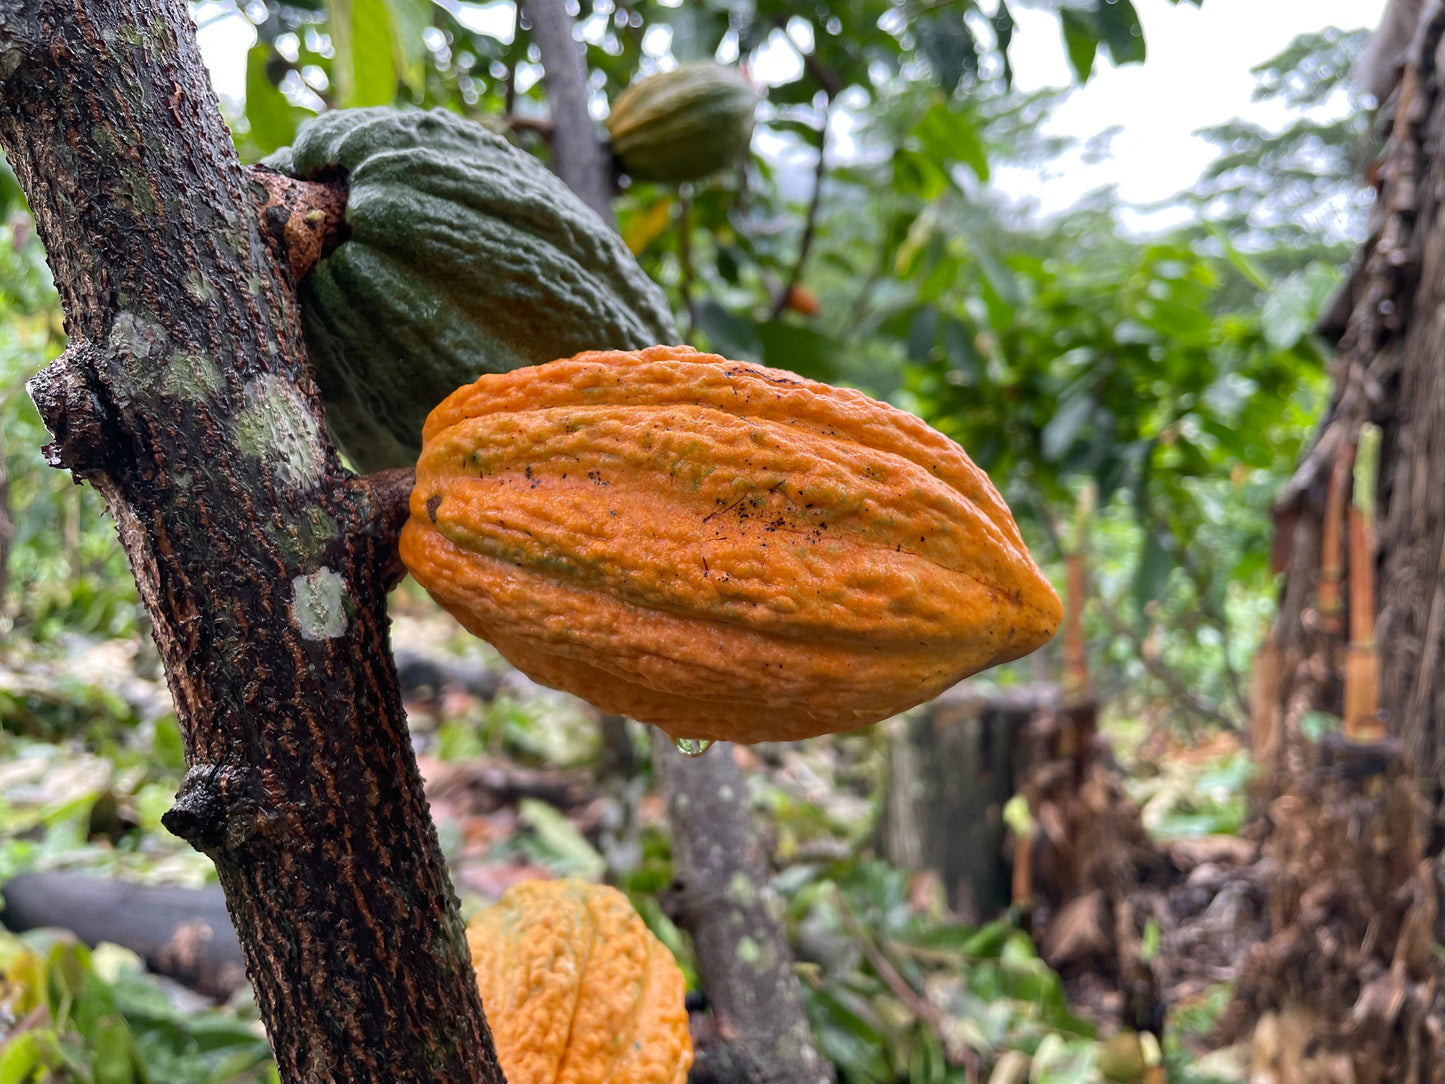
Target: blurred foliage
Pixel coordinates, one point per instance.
(64, 574)
(84, 1017)
(1290, 195)
(898, 994)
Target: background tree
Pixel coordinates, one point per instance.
(1172, 377)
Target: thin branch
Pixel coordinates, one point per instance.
(957, 1054)
(1178, 688)
(530, 124)
(780, 302)
(511, 82)
(684, 258)
(824, 77)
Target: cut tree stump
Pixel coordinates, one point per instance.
(952, 767)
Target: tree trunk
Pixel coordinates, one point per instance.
(1354, 837)
(184, 398)
(723, 897)
(578, 155)
(1388, 374)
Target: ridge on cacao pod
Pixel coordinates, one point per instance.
(577, 989)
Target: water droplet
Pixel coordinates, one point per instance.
(692, 747)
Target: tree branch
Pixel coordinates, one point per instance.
(185, 399)
(303, 219)
(780, 302)
(1178, 688)
(684, 258)
(581, 160)
(723, 897)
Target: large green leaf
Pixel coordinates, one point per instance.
(362, 33)
(1120, 31)
(271, 117)
(410, 18)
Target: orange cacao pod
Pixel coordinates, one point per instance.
(726, 551)
(576, 988)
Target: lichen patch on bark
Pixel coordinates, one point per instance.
(319, 604)
(275, 417)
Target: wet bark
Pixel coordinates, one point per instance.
(184, 399)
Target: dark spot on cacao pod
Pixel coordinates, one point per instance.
(432, 504)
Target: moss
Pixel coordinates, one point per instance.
(198, 288)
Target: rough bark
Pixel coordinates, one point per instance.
(579, 156)
(1411, 579)
(723, 896)
(185, 400)
(1355, 870)
(1388, 373)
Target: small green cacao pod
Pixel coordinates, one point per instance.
(465, 256)
(683, 124)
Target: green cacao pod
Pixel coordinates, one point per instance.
(465, 256)
(684, 124)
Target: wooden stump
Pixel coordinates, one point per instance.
(952, 767)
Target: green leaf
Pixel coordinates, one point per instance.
(1256, 275)
(560, 845)
(947, 134)
(114, 1051)
(361, 33)
(23, 1054)
(1081, 41)
(947, 44)
(727, 334)
(799, 348)
(1120, 31)
(1064, 427)
(922, 333)
(962, 353)
(271, 117)
(410, 18)
(1003, 30)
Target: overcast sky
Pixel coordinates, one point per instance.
(1197, 74)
